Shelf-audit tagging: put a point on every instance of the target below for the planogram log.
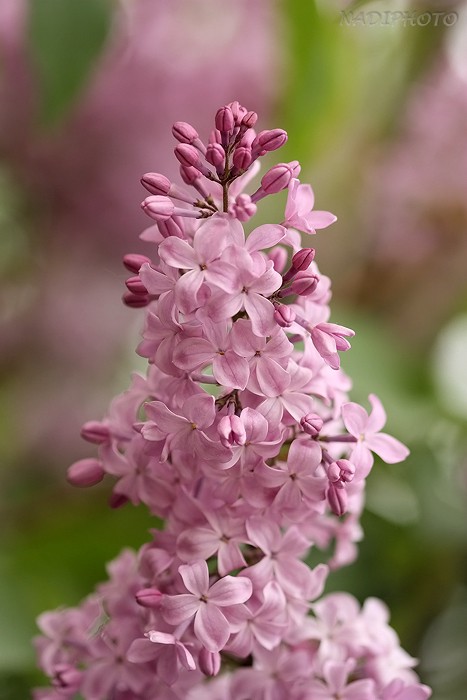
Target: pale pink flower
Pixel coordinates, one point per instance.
(202, 603)
(335, 684)
(298, 210)
(169, 652)
(366, 429)
(185, 431)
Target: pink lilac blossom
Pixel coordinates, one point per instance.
(243, 439)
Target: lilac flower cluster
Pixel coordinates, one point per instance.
(242, 439)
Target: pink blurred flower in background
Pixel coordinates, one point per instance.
(82, 180)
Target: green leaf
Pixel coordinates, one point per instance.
(66, 37)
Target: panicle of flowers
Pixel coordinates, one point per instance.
(242, 439)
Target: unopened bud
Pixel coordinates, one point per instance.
(225, 121)
(242, 157)
(295, 168)
(270, 140)
(303, 259)
(135, 285)
(85, 472)
(155, 183)
(215, 155)
(135, 301)
(312, 424)
(188, 155)
(149, 598)
(284, 316)
(189, 174)
(337, 498)
(276, 179)
(134, 261)
(304, 283)
(238, 111)
(172, 227)
(158, 207)
(117, 500)
(249, 120)
(184, 132)
(244, 208)
(96, 432)
(209, 662)
(231, 431)
(345, 471)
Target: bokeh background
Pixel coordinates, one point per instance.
(377, 114)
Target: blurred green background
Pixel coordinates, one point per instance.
(375, 104)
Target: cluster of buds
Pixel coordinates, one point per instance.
(243, 440)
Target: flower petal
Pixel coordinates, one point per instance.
(178, 253)
(211, 627)
(231, 370)
(230, 590)
(195, 577)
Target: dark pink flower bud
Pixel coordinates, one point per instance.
(155, 183)
(303, 259)
(117, 500)
(96, 432)
(135, 301)
(135, 285)
(184, 132)
(312, 424)
(249, 120)
(242, 157)
(85, 472)
(189, 174)
(209, 662)
(172, 227)
(276, 179)
(225, 121)
(337, 498)
(158, 207)
(231, 431)
(149, 597)
(238, 111)
(295, 168)
(346, 470)
(215, 155)
(134, 261)
(284, 316)
(270, 140)
(188, 155)
(300, 261)
(304, 283)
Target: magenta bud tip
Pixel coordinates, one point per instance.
(135, 286)
(187, 155)
(225, 120)
(312, 424)
(85, 472)
(134, 261)
(284, 316)
(135, 301)
(155, 183)
(149, 597)
(117, 500)
(96, 432)
(303, 259)
(184, 132)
